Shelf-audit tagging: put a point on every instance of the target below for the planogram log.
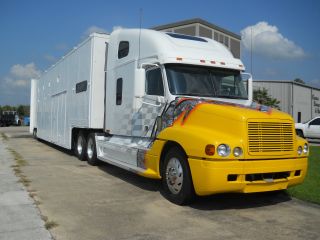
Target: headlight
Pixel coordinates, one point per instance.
(305, 148)
(223, 150)
(237, 151)
(299, 150)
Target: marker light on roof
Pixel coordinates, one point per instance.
(213, 62)
(203, 61)
(179, 58)
(223, 63)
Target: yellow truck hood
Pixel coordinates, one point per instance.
(196, 123)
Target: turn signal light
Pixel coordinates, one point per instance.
(210, 149)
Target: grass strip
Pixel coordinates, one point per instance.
(310, 190)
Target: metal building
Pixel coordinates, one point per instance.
(200, 27)
(301, 101)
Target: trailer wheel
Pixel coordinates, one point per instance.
(80, 146)
(34, 133)
(92, 150)
(176, 177)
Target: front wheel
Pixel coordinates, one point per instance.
(176, 177)
(92, 150)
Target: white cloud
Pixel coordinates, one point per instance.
(61, 46)
(20, 75)
(50, 58)
(93, 29)
(268, 41)
(24, 71)
(315, 82)
(15, 86)
(117, 28)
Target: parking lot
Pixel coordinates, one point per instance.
(106, 202)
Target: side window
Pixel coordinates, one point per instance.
(123, 50)
(154, 84)
(81, 86)
(315, 122)
(119, 91)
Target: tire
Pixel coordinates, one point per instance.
(80, 146)
(34, 133)
(299, 133)
(91, 151)
(176, 178)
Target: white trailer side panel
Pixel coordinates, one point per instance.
(71, 93)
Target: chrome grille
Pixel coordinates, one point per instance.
(264, 137)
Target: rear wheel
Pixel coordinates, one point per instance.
(92, 150)
(80, 146)
(34, 133)
(176, 178)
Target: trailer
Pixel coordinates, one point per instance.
(167, 106)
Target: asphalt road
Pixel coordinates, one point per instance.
(106, 202)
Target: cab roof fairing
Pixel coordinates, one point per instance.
(168, 49)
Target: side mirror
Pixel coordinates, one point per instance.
(139, 82)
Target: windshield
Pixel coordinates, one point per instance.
(205, 81)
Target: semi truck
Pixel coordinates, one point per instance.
(167, 106)
(9, 118)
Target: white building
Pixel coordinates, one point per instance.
(299, 100)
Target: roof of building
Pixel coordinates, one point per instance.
(289, 81)
(196, 20)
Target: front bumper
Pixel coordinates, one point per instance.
(218, 176)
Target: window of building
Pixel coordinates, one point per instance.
(154, 84)
(235, 48)
(186, 37)
(205, 32)
(123, 49)
(81, 86)
(221, 38)
(226, 41)
(190, 30)
(119, 91)
(216, 36)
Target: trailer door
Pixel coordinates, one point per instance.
(58, 118)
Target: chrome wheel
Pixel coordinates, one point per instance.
(80, 145)
(174, 175)
(90, 148)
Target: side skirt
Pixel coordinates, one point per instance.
(124, 151)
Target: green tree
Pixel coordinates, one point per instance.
(8, 108)
(261, 96)
(23, 110)
(299, 80)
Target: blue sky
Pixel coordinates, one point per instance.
(34, 34)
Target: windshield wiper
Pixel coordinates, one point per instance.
(231, 97)
(195, 94)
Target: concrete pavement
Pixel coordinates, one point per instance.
(19, 217)
(107, 202)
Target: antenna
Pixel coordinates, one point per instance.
(251, 53)
(140, 24)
